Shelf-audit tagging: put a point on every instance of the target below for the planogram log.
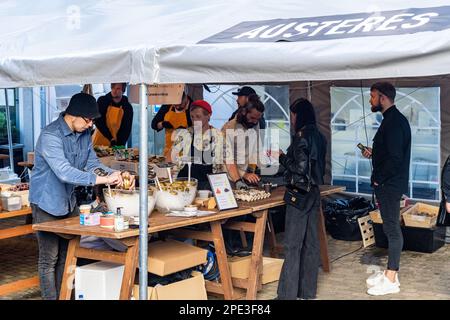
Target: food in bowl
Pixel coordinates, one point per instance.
(128, 200)
(175, 195)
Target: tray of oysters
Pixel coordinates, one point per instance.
(250, 195)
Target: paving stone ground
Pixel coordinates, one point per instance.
(423, 276)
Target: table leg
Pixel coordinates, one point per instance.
(222, 260)
(275, 248)
(256, 260)
(323, 243)
(69, 269)
(129, 272)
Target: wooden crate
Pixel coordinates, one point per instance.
(366, 229)
(413, 220)
(375, 215)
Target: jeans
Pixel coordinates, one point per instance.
(300, 270)
(52, 254)
(389, 201)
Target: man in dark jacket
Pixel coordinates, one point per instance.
(114, 126)
(390, 158)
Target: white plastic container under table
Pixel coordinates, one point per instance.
(98, 281)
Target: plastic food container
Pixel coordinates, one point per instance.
(11, 203)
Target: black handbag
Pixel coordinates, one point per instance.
(295, 195)
(443, 218)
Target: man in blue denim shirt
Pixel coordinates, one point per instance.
(64, 158)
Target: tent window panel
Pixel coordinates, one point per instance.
(425, 191)
(14, 116)
(276, 103)
(353, 122)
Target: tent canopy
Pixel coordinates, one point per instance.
(48, 43)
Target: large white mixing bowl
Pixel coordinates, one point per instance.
(128, 201)
(177, 195)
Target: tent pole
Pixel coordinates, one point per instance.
(8, 128)
(143, 195)
(309, 91)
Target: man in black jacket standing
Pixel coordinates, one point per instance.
(390, 158)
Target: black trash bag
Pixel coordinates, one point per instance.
(341, 217)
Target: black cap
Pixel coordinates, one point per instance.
(244, 91)
(83, 105)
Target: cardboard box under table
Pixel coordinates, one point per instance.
(271, 270)
(188, 289)
(167, 257)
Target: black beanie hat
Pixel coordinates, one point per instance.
(83, 105)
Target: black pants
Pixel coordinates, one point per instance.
(52, 254)
(389, 201)
(300, 270)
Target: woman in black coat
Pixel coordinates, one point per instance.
(304, 166)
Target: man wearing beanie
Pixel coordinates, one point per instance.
(64, 158)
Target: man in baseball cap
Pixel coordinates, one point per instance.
(242, 99)
(64, 158)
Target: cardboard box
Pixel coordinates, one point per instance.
(271, 270)
(188, 289)
(412, 219)
(166, 257)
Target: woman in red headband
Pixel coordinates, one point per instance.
(201, 144)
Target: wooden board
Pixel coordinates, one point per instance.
(19, 285)
(10, 214)
(16, 231)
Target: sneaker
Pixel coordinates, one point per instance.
(376, 277)
(384, 286)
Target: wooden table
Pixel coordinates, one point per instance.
(16, 232)
(159, 222)
(275, 200)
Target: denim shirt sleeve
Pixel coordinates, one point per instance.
(53, 153)
(93, 161)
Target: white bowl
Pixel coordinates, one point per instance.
(128, 201)
(177, 199)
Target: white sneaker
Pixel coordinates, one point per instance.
(378, 276)
(385, 286)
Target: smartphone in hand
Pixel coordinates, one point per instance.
(361, 147)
